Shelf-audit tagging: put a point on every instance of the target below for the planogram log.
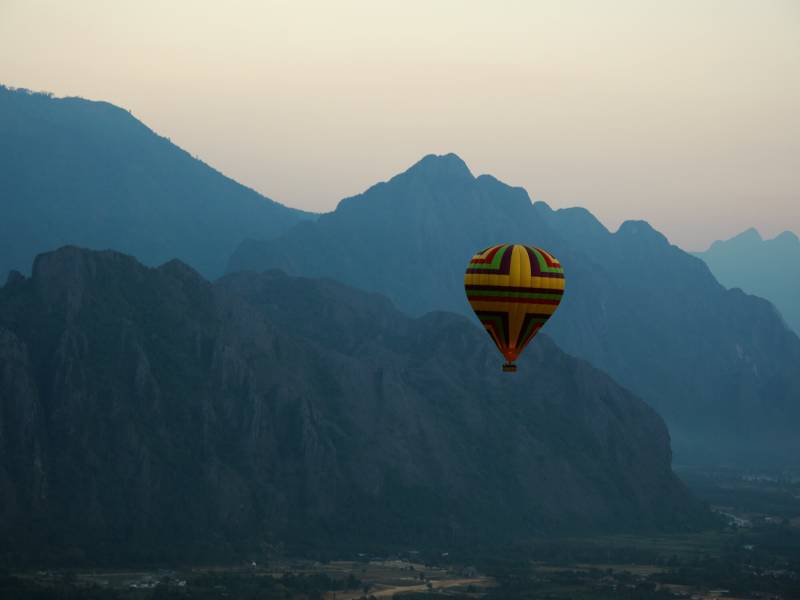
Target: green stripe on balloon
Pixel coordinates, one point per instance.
(495, 264)
(498, 323)
(533, 322)
(543, 263)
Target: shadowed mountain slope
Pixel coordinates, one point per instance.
(74, 171)
(409, 238)
(145, 412)
(719, 365)
(766, 268)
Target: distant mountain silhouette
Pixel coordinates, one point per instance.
(719, 365)
(766, 268)
(79, 172)
(147, 413)
(409, 238)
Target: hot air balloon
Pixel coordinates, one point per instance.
(513, 290)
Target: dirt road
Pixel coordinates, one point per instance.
(388, 592)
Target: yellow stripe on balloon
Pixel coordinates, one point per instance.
(551, 283)
(540, 309)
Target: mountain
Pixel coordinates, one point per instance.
(409, 238)
(719, 365)
(88, 173)
(766, 268)
(146, 413)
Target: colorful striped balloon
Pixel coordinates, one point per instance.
(513, 290)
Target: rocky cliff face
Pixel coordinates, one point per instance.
(145, 412)
(720, 366)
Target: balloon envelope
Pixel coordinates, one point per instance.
(513, 289)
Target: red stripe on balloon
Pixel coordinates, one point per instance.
(512, 300)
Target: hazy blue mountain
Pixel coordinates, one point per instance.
(409, 238)
(766, 268)
(719, 365)
(147, 413)
(79, 172)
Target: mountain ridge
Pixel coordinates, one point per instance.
(769, 268)
(149, 413)
(89, 173)
(631, 296)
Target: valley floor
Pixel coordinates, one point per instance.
(754, 554)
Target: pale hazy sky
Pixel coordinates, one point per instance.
(684, 113)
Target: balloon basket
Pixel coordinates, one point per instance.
(509, 368)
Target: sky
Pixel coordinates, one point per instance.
(683, 113)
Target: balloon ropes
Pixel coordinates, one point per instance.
(514, 290)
